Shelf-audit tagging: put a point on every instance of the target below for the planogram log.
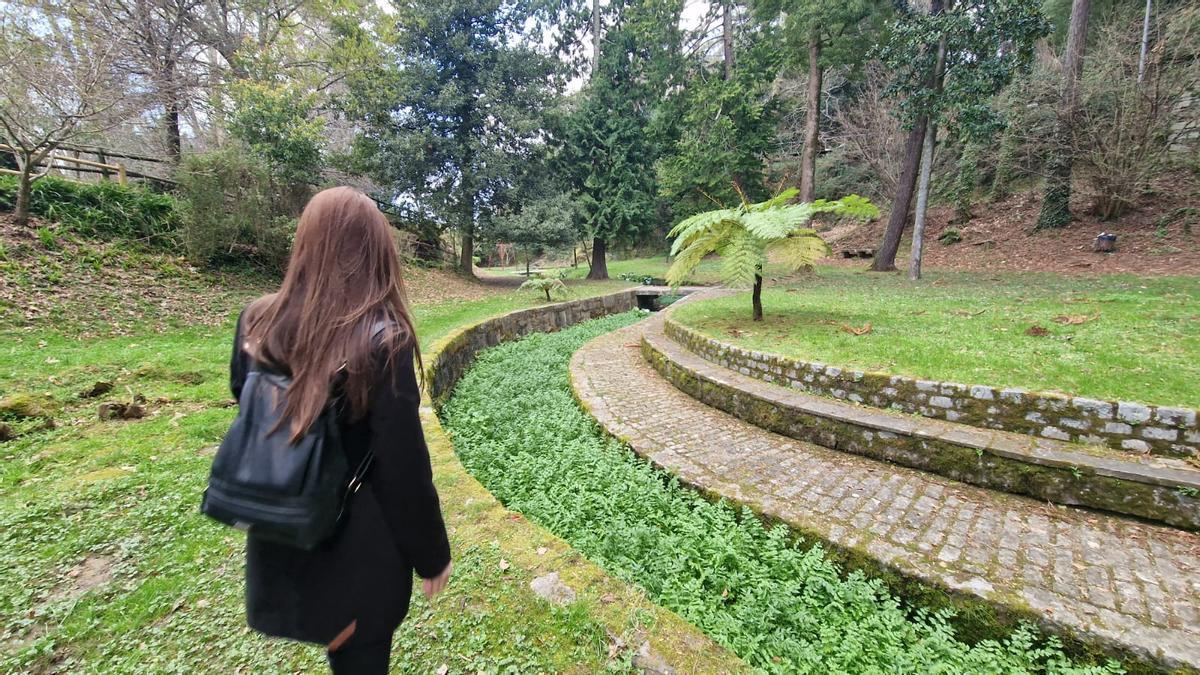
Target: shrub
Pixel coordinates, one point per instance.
(779, 604)
(229, 211)
(1123, 133)
(950, 236)
(105, 209)
(278, 125)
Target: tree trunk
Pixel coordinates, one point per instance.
(174, 139)
(812, 121)
(918, 242)
(599, 268)
(1145, 42)
(466, 262)
(1056, 206)
(914, 268)
(24, 188)
(727, 37)
(595, 36)
(756, 297)
(885, 257)
(171, 113)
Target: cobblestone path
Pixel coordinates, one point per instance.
(1122, 584)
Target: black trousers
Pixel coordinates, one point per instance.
(362, 658)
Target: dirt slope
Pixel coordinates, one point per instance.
(1001, 237)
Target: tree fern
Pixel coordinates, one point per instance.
(743, 236)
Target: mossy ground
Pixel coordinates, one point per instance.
(109, 567)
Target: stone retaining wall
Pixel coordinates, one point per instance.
(1133, 427)
(456, 353)
(1044, 469)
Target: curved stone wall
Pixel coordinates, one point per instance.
(1132, 427)
(454, 354)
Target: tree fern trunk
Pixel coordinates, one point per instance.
(756, 297)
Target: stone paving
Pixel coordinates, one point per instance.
(1126, 586)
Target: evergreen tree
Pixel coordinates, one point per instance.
(727, 126)
(453, 110)
(947, 66)
(620, 124)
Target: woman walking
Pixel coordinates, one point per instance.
(340, 328)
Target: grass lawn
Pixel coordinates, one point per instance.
(109, 567)
(1111, 337)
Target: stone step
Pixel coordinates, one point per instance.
(1160, 489)
(1101, 581)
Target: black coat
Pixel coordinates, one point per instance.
(394, 527)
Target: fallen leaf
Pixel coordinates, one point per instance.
(857, 331)
(542, 550)
(963, 312)
(1074, 319)
(443, 669)
(504, 564)
(1037, 331)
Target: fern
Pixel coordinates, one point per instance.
(743, 236)
(549, 286)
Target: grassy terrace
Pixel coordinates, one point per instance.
(1111, 337)
(109, 567)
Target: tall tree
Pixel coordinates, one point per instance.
(885, 257)
(159, 48)
(930, 143)
(1056, 204)
(453, 113)
(818, 34)
(980, 45)
(727, 122)
(60, 84)
(620, 124)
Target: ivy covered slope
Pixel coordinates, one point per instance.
(781, 605)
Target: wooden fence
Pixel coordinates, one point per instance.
(107, 169)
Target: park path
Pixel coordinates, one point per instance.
(1128, 586)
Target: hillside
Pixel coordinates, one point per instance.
(50, 277)
(1161, 236)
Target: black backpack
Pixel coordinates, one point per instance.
(292, 494)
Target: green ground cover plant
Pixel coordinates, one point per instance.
(780, 605)
(104, 209)
(110, 568)
(1108, 337)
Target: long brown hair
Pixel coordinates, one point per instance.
(342, 280)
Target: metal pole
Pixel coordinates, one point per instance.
(1145, 42)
